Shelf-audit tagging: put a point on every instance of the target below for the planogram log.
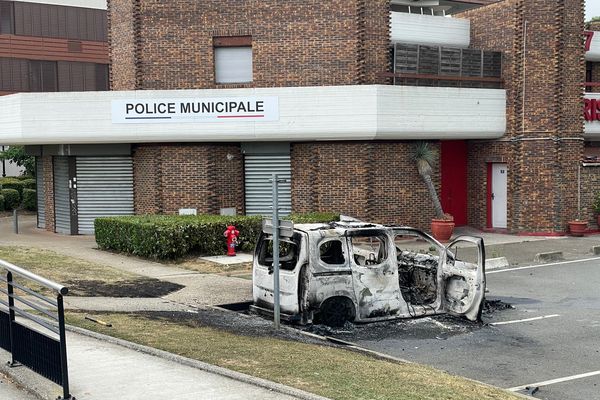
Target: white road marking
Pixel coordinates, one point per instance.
(525, 320)
(553, 381)
(541, 265)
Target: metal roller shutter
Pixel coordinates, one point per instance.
(104, 189)
(62, 209)
(41, 194)
(259, 189)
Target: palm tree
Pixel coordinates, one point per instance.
(424, 157)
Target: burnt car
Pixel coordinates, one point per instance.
(361, 272)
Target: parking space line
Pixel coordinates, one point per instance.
(541, 265)
(553, 381)
(524, 320)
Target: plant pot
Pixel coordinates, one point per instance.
(442, 229)
(577, 228)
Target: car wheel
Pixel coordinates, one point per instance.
(335, 312)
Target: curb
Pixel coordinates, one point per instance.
(238, 376)
(550, 256)
(496, 263)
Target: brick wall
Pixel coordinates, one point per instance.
(123, 27)
(48, 168)
(207, 177)
(590, 187)
(295, 43)
(544, 139)
(376, 41)
(147, 163)
(375, 181)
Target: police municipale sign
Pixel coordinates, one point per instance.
(219, 110)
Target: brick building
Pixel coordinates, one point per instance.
(210, 98)
(61, 46)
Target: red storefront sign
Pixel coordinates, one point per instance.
(589, 35)
(591, 111)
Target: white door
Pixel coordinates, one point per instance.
(499, 195)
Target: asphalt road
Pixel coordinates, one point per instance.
(9, 390)
(560, 346)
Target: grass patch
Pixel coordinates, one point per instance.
(208, 267)
(328, 371)
(83, 278)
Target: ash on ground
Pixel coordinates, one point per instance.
(492, 306)
(440, 327)
(232, 322)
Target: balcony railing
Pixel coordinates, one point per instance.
(418, 65)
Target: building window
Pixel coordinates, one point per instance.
(7, 18)
(233, 59)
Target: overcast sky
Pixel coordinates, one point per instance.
(592, 9)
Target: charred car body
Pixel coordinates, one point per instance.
(354, 271)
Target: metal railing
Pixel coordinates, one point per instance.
(42, 353)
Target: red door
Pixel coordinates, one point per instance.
(454, 180)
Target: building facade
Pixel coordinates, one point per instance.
(52, 46)
(211, 98)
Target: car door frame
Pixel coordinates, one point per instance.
(375, 301)
(475, 279)
(446, 271)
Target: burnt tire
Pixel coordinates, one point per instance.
(335, 312)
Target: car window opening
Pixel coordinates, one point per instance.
(288, 253)
(332, 253)
(369, 250)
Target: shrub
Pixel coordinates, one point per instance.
(29, 199)
(25, 177)
(171, 237)
(313, 218)
(12, 183)
(12, 199)
(1, 203)
(29, 184)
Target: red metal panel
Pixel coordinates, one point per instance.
(489, 195)
(454, 180)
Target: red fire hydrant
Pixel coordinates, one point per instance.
(232, 235)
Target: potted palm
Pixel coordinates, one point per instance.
(578, 227)
(425, 157)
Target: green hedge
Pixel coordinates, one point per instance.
(12, 199)
(29, 199)
(171, 237)
(29, 184)
(1, 203)
(12, 183)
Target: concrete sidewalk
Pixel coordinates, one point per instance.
(101, 368)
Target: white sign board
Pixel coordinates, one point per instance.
(221, 110)
(286, 228)
(188, 211)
